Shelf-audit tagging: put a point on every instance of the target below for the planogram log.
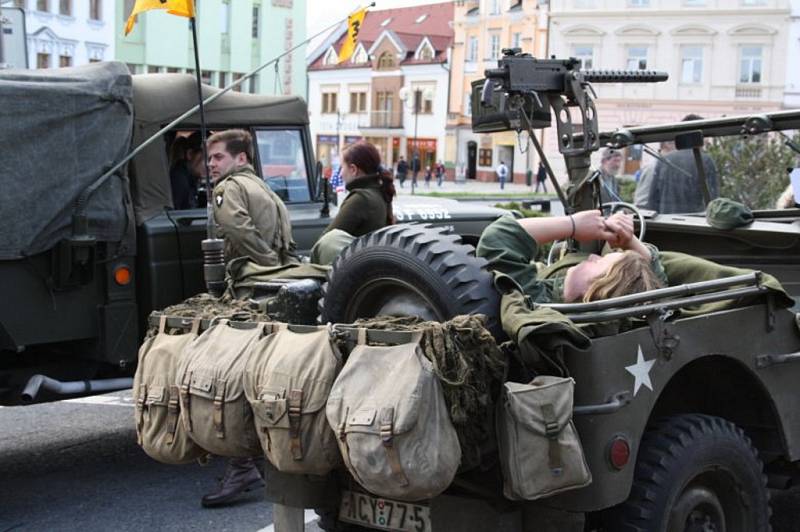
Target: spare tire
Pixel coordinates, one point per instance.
(410, 270)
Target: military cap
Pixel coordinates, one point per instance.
(724, 213)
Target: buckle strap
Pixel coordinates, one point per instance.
(185, 404)
(552, 431)
(219, 398)
(140, 412)
(295, 412)
(173, 411)
(387, 439)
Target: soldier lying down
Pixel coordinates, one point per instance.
(511, 245)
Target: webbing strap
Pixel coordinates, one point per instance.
(219, 398)
(387, 438)
(552, 431)
(295, 413)
(185, 404)
(195, 326)
(361, 337)
(140, 412)
(173, 412)
(162, 324)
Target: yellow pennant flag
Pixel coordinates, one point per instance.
(182, 8)
(354, 23)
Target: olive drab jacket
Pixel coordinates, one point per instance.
(252, 219)
(363, 210)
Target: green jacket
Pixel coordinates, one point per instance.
(363, 210)
(252, 219)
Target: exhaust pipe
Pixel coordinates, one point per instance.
(38, 383)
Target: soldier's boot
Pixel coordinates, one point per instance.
(241, 475)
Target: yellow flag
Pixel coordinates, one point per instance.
(354, 23)
(182, 8)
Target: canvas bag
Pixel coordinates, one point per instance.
(214, 409)
(158, 429)
(540, 453)
(287, 381)
(393, 427)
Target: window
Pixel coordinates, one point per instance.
(282, 163)
(360, 56)
(694, 3)
(516, 40)
(133, 69)
(95, 10)
(19, 3)
(472, 49)
(42, 60)
(637, 58)
(485, 157)
(754, 2)
(386, 22)
(494, 46)
(639, 3)
(254, 27)
(750, 64)
(423, 103)
(42, 5)
(584, 4)
(691, 64)
(152, 69)
(329, 103)
(494, 7)
(585, 54)
(426, 54)
(358, 102)
(331, 58)
(94, 60)
(64, 61)
(386, 61)
(65, 7)
(205, 76)
(468, 103)
(225, 16)
(223, 80)
(421, 18)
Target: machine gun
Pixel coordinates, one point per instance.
(519, 94)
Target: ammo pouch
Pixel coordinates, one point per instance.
(214, 409)
(287, 381)
(157, 398)
(393, 427)
(540, 452)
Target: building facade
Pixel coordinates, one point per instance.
(482, 28)
(723, 57)
(392, 92)
(62, 33)
(792, 95)
(234, 37)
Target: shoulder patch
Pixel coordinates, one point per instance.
(218, 200)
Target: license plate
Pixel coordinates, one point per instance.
(384, 514)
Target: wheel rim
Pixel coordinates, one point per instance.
(391, 297)
(710, 503)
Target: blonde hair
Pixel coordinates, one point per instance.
(630, 274)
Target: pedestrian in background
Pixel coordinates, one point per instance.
(428, 176)
(402, 171)
(502, 173)
(541, 178)
(642, 193)
(439, 174)
(415, 168)
(610, 166)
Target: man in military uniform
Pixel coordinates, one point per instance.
(254, 222)
(250, 217)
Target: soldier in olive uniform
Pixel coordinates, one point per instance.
(254, 222)
(250, 217)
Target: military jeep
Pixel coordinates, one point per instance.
(84, 261)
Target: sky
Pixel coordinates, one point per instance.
(323, 13)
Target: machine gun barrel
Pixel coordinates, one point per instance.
(624, 76)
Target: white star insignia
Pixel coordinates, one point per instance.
(641, 372)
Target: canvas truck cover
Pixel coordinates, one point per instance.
(61, 130)
(161, 98)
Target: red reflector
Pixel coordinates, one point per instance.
(619, 452)
(122, 275)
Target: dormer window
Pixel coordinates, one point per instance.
(360, 55)
(331, 57)
(425, 51)
(386, 61)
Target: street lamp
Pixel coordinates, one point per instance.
(414, 101)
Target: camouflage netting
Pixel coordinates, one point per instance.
(207, 307)
(470, 366)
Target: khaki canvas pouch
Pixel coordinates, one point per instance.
(214, 410)
(540, 452)
(157, 399)
(287, 381)
(392, 424)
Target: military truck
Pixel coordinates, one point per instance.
(83, 262)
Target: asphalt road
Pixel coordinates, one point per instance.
(75, 465)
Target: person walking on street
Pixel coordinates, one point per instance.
(439, 174)
(642, 193)
(254, 222)
(541, 178)
(415, 168)
(502, 173)
(428, 176)
(402, 171)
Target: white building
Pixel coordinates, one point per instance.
(723, 57)
(402, 56)
(68, 32)
(792, 94)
